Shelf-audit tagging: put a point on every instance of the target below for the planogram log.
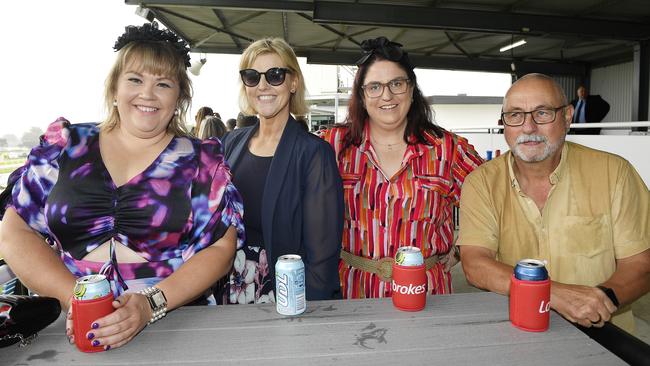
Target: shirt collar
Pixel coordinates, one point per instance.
(554, 177)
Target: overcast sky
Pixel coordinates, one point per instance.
(56, 55)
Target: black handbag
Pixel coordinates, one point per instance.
(21, 317)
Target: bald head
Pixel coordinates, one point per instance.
(532, 141)
(555, 88)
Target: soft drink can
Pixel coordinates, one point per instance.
(409, 256)
(91, 287)
(531, 270)
(530, 296)
(290, 285)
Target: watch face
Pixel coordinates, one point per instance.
(158, 299)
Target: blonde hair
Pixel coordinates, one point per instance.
(297, 103)
(158, 58)
(211, 126)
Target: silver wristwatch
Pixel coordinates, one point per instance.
(157, 301)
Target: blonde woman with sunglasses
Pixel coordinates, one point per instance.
(288, 179)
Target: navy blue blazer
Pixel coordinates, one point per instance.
(302, 207)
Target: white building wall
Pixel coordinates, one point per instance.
(454, 116)
(614, 84)
(320, 79)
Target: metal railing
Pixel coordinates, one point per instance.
(606, 125)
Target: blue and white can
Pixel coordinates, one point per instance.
(531, 270)
(290, 285)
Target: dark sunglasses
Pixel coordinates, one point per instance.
(274, 76)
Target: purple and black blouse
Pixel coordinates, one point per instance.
(182, 203)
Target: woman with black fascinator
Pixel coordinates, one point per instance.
(401, 174)
(134, 197)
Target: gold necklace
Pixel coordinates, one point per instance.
(389, 147)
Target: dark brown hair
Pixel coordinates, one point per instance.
(418, 120)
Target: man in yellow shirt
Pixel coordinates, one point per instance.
(584, 211)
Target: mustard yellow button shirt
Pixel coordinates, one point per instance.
(597, 211)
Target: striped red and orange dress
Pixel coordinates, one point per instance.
(413, 208)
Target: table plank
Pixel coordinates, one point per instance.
(454, 329)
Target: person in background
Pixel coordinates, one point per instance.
(583, 211)
(231, 124)
(134, 198)
(211, 126)
(244, 120)
(200, 115)
(288, 179)
(588, 109)
(402, 175)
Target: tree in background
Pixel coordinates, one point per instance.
(11, 139)
(31, 137)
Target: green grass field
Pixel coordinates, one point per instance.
(9, 165)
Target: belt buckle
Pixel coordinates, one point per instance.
(385, 269)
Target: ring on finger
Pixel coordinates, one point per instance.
(597, 321)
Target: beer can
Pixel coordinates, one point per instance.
(91, 287)
(290, 285)
(531, 270)
(409, 256)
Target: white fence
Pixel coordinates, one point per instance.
(634, 148)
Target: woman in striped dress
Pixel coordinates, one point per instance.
(402, 175)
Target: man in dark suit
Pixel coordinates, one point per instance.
(588, 109)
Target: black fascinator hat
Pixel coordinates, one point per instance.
(381, 46)
(149, 32)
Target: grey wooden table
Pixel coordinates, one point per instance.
(460, 329)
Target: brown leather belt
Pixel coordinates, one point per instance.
(382, 267)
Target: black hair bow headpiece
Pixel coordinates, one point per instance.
(389, 50)
(149, 32)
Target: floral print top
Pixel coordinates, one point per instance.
(182, 203)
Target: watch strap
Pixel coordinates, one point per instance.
(610, 294)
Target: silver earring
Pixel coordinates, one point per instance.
(114, 102)
(292, 91)
(176, 112)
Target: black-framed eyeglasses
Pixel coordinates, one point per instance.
(396, 86)
(274, 76)
(540, 116)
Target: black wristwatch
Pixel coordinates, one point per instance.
(610, 293)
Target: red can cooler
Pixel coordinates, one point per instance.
(93, 299)
(409, 287)
(530, 304)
